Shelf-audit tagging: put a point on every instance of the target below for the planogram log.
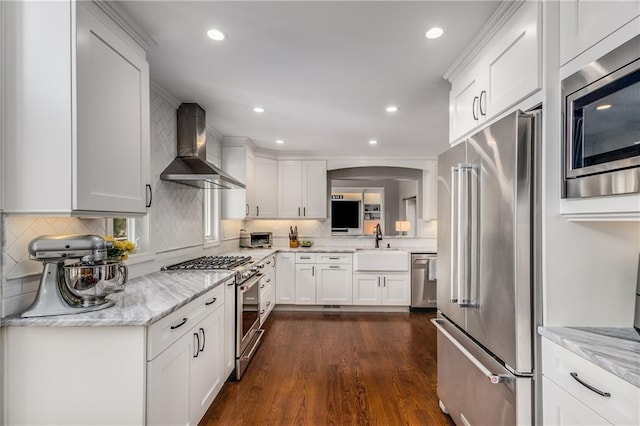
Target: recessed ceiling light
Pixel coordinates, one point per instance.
(373, 142)
(216, 35)
(603, 106)
(259, 110)
(280, 141)
(392, 108)
(434, 32)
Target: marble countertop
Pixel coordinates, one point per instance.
(616, 350)
(144, 301)
(148, 298)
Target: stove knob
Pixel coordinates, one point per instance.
(260, 265)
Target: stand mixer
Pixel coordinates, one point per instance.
(78, 287)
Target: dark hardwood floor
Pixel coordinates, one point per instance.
(337, 369)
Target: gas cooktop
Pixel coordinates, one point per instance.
(209, 263)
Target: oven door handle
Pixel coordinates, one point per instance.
(246, 286)
(256, 342)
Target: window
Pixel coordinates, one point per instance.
(132, 229)
(211, 201)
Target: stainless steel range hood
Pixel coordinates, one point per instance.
(190, 167)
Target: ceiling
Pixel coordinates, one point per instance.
(324, 71)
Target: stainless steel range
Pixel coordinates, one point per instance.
(248, 331)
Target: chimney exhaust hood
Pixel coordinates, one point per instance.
(190, 167)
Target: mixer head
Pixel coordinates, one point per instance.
(88, 248)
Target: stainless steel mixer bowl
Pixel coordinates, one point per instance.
(92, 282)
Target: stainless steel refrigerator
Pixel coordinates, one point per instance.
(486, 235)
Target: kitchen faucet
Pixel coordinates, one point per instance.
(378, 235)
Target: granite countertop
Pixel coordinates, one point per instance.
(616, 350)
(144, 301)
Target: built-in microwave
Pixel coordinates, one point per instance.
(601, 116)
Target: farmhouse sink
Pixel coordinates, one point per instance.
(380, 260)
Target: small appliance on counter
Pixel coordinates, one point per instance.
(255, 239)
(81, 286)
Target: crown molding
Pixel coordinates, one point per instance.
(116, 12)
(503, 13)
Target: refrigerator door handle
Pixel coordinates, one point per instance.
(455, 261)
(467, 234)
(493, 377)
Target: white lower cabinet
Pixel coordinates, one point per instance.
(186, 361)
(562, 409)
(323, 278)
(229, 326)
(285, 278)
(578, 392)
(305, 284)
(381, 289)
(334, 284)
(168, 385)
(207, 365)
(267, 289)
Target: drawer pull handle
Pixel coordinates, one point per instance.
(588, 386)
(184, 320)
(305, 257)
(211, 302)
(203, 339)
(334, 258)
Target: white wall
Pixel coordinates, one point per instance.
(589, 268)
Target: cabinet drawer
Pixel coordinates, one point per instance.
(164, 332)
(306, 258)
(266, 282)
(620, 408)
(269, 262)
(334, 258)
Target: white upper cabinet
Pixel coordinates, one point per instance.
(302, 189)
(260, 175)
(506, 70)
(77, 112)
(239, 161)
(585, 23)
(266, 188)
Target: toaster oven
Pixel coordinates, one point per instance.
(256, 239)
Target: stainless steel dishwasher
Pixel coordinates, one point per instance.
(423, 280)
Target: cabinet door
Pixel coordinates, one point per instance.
(168, 384)
(266, 184)
(314, 189)
(112, 117)
(285, 278)
(585, 23)
(396, 290)
(229, 327)
(235, 201)
(367, 289)
(561, 409)
(305, 287)
(250, 190)
(207, 361)
(513, 62)
(464, 102)
(334, 284)
(289, 189)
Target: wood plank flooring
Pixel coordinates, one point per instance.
(337, 369)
